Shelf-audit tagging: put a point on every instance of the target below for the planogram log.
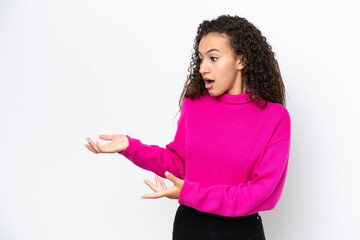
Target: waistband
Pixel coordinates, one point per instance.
(251, 216)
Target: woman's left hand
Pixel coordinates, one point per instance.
(161, 190)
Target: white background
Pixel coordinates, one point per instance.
(72, 69)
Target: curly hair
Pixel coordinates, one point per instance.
(261, 73)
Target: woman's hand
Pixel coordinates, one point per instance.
(161, 189)
(118, 143)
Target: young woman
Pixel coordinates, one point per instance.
(228, 160)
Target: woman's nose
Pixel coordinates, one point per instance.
(203, 68)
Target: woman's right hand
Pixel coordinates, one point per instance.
(118, 143)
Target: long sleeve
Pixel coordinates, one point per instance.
(158, 159)
(248, 197)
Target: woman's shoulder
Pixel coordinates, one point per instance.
(278, 110)
(197, 98)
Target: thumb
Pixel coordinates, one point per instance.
(106, 137)
(171, 177)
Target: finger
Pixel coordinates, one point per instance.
(158, 194)
(92, 144)
(157, 180)
(151, 185)
(106, 137)
(171, 177)
(90, 148)
(163, 183)
(99, 146)
(153, 195)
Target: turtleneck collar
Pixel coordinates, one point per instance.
(235, 98)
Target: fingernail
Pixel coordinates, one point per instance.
(166, 173)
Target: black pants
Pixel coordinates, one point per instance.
(191, 224)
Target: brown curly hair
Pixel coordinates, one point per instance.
(261, 72)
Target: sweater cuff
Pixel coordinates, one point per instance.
(185, 193)
(127, 151)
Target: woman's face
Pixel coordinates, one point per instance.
(218, 64)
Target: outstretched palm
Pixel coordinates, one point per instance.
(118, 143)
(161, 190)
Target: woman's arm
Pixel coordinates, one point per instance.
(158, 159)
(155, 158)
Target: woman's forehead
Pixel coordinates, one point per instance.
(213, 43)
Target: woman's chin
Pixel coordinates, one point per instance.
(214, 93)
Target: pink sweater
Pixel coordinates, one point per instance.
(231, 154)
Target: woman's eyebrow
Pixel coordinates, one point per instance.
(213, 49)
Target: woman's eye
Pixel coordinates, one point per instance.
(201, 60)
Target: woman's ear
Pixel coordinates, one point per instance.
(240, 62)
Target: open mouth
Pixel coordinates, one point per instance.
(209, 83)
